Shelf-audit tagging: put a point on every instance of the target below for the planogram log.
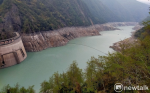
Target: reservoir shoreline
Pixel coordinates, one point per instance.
(127, 41)
(47, 39)
(39, 66)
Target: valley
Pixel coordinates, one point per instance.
(41, 65)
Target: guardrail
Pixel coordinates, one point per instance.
(10, 40)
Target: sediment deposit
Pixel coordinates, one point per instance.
(115, 24)
(128, 42)
(137, 27)
(43, 40)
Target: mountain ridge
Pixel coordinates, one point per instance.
(30, 16)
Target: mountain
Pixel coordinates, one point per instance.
(101, 12)
(127, 10)
(146, 19)
(29, 16)
(42, 15)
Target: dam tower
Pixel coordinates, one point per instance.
(12, 51)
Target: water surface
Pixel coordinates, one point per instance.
(39, 66)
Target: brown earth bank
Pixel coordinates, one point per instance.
(43, 40)
(115, 24)
(128, 41)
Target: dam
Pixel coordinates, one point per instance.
(12, 51)
(39, 66)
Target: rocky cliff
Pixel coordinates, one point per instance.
(42, 40)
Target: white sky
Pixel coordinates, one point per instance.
(145, 1)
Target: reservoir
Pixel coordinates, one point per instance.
(39, 66)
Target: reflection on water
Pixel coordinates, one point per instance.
(39, 66)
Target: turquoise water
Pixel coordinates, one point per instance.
(39, 66)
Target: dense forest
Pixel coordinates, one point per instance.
(129, 66)
(29, 16)
(42, 15)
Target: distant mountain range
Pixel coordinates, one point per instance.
(127, 10)
(29, 16)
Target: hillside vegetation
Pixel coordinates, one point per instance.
(29, 16)
(42, 15)
(130, 66)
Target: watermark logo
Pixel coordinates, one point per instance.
(118, 87)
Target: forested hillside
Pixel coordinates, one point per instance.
(42, 15)
(101, 12)
(29, 16)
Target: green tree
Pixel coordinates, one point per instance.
(17, 89)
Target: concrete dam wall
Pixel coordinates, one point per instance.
(12, 51)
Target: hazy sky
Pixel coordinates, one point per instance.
(145, 1)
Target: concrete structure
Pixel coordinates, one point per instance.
(12, 51)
